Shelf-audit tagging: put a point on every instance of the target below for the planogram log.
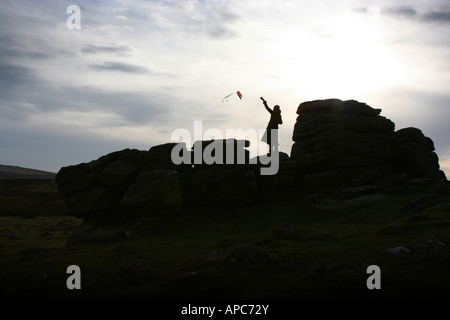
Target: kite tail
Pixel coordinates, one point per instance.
(227, 96)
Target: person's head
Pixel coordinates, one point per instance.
(277, 108)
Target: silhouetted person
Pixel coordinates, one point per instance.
(275, 120)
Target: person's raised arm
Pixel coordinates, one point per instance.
(265, 105)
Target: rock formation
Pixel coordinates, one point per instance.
(413, 154)
(336, 144)
(339, 143)
(134, 183)
(96, 188)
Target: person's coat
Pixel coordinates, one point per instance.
(275, 120)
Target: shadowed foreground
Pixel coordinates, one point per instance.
(305, 248)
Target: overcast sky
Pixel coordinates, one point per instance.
(137, 70)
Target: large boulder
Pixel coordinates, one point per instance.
(116, 169)
(414, 155)
(119, 173)
(95, 188)
(222, 185)
(160, 186)
(222, 175)
(160, 157)
(76, 178)
(275, 186)
(92, 202)
(157, 191)
(337, 106)
(220, 151)
(338, 143)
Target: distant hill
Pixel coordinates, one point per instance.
(14, 172)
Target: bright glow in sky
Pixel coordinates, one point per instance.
(137, 70)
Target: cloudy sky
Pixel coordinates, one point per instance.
(137, 70)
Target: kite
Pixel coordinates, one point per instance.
(238, 94)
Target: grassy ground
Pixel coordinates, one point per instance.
(30, 198)
(302, 248)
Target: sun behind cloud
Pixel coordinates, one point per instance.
(347, 60)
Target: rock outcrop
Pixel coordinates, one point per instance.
(96, 188)
(134, 183)
(347, 143)
(223, 182)
(337, 144)
(413, 154)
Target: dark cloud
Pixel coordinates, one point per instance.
(50, 151)
(124, 49)
(26, 54)
(437, 16)
(17, 84)
(121, 67)
(409, 12)
(30, 47)
(23, 93)
(360, 10)
(401, 11)
(214, 20)
(219, 32)
(15, 75)
(130, 107)
(217, 22)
